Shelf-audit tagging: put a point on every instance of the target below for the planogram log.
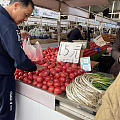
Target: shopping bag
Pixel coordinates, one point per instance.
(34, 52)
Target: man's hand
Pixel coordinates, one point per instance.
(39, 67)
(24, 34)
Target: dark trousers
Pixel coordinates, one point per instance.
(7, 97)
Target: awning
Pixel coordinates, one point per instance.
(54, 4)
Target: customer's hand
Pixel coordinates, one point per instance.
(39, 67)
(24, 34)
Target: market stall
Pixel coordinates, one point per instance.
(65, 89)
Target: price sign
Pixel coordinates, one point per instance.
(99, 41)
(85, 63)
(69, 52)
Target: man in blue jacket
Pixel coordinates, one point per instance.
(12, 55)
(75, 34)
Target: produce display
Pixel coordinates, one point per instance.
(94, 49)
(54, 77)
(38, 33)
(84, 89)
(100, 81)
(108, 37)
(57, 77)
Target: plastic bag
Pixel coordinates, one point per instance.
(34, 52)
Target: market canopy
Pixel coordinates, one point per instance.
(54, 4)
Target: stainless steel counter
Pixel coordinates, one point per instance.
(58, 103)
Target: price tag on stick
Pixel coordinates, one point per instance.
(85, 63)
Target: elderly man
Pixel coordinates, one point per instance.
(12, 55)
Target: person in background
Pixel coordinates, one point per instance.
(12, 55)
(75, 34)
(115, 69)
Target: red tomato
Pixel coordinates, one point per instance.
(62, 79)
(39, 79)
(79, 72)
(25, 75)
(34, 83)
(29, 82)
(20, 73)
(39, 85)
(72, 76)
(82, 71)
(25, 79)
(74, 65)
(53, 64)
(63, 88)
(41, 74)
(67, 80)
(78, 67)
(30, 77)
(37, 72)
(56, 80)
(15, 73)
(57, 75)
(57, 91)
(47, 78)
(21, 78)
(67, 64)
(69, 70)
(56, 84)
(59, 66)
(44, 87)
(66, 83)
(75, 73)
(61, 84)
(64, 67)
(44, 82)
(51, 89)
(52, 78)
(62, 74)
(62, 63)
(53, 72)
(58, 69)
(45, 73)
(46, 65)
(35, 77)
(49, 83)
(29, 73)
(16, 77)
(50, 66)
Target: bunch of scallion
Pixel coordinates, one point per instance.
(100, 81)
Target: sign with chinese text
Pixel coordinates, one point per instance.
(69, 52)
(99, 41)
(85, 63)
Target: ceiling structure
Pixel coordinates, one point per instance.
(54, 4)
(97, 6)
(101, 8)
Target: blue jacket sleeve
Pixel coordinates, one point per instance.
(12, 46)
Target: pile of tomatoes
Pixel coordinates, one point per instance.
(93, 49)
(54, 76)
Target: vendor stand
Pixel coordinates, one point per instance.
(34, 103)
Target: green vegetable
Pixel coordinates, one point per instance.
(100, 81)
